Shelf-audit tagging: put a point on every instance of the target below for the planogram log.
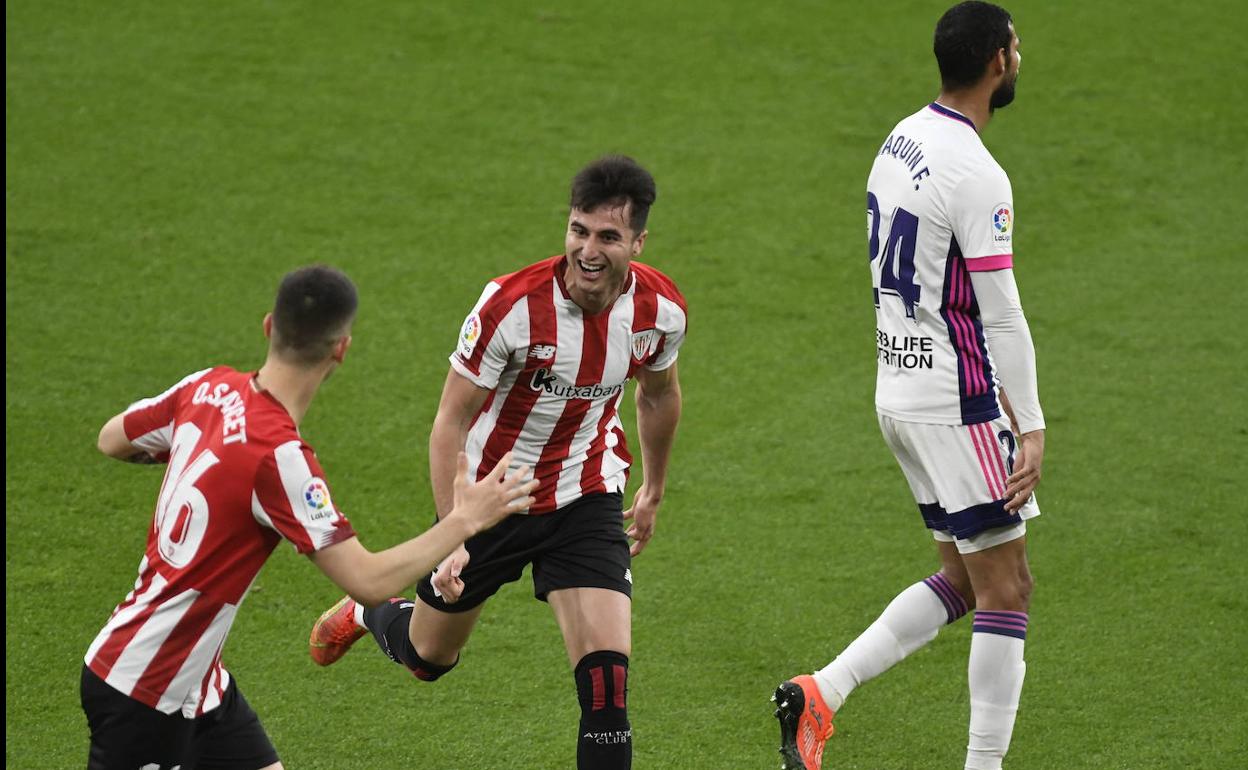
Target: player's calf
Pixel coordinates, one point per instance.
(606, 739)
(389, 624)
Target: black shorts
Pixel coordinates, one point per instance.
(127, 734)
(581, 545)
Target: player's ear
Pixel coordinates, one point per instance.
(268, 326)
(340, 348)
(639, 243)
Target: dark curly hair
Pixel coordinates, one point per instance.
(967, 37)
(615, 179)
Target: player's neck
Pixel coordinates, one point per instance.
(294, 387)
(596, 302)
(971, 102)
(591, 305)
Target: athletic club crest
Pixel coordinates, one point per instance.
(644, 344)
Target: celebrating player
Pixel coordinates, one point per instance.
(540, 369)
(239, 479)
(951, 336)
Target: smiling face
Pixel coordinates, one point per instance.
(600, 244)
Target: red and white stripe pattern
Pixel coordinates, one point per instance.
(162, 645)
(558, 375)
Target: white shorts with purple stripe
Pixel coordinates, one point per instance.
(957, 474)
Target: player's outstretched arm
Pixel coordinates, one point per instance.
(371, 578)
(658, 413)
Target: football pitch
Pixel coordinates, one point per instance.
(167, 163)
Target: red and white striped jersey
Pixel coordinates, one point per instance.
(239, 479)
(558, 375)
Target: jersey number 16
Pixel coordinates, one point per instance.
(181, 509)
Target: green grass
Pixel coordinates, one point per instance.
(166, 163)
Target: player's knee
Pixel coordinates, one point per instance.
(1026, 584)
(961, 583)
(423, 669)
(1010, 594)
(602, 686)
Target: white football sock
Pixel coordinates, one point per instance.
(995, 674)
(910, 621)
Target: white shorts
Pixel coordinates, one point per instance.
(957, 474)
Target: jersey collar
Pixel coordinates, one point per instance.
(941, 109)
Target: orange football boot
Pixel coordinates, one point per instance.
(334, 633)
(805, 723)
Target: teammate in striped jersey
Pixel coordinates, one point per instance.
(239, 480)
(540, 369)
(951, 343)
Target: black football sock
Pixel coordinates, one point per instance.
(606, 740)
(389, 623)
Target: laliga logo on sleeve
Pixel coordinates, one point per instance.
(1002, 222)
(469, 335)
(316, 499)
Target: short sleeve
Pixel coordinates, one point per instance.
(149, 422)
(672, 320)
(292, 498)
(982, 214)
(483, 350)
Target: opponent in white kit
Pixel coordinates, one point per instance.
(951, 343)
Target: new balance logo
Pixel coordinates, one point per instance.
(542, 352)
(545, 380)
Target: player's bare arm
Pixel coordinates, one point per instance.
(1009, 410)
(114, 443)
(371, 578)
(1026, 476)
(461, 401)
(658, 413)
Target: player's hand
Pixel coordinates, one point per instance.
(1022, 482)
(643, 514)
(494, 497)
(446, 582)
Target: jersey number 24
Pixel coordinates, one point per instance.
(896, 268)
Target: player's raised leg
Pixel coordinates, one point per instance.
(911, 620)
(425, 640)
(597, 632)
(1003, 586)
(807, 704)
